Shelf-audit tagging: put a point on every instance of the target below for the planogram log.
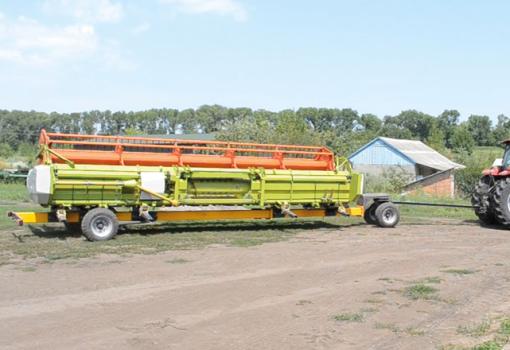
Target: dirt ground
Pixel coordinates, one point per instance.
(418, 286)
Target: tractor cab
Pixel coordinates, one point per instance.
(501, 166)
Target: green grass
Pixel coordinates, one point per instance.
(385, 279)
(432, 280)
(488, 345)
(53, 242)
(488, 152)
(369, 310)
(388, 326)
(504, 326)
(14, 197)
(412, 331)
(8, 223)
(374, 301)
(459, 271)
(13, 192)
(475, 330)
(408, 212)
(415, 332)
(349, 317)
(355, 316)
(28, 269)
(499, 337)
(453, 347)
(420, 291)
(177, 261)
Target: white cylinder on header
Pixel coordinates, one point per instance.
(153, 181)
(39, 184)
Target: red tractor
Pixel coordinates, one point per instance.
(491, 198)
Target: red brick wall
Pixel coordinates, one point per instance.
(440, 186)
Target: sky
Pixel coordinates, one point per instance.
(378, 56)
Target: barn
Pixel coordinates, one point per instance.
(429, 171)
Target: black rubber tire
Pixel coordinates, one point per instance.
(483, 203)
(73, 227)
(369, 214)
(387, 215)
(501, 201)
(99, 224)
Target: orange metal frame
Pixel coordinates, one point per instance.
(130, 150)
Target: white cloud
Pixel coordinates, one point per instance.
(30, 43)
(27, 41)
(86, 10)
(141, 28)
(221, 7)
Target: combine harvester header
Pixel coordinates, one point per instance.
(91, 183)
(148, 151)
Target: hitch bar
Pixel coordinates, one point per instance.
(436, 204)
(16, 218)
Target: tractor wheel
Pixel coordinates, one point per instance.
(484, 208)
(99, 224)
(501, 199)
(369, 214)
(387, 215)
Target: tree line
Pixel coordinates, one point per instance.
(343, 130)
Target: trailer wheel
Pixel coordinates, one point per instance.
(387, 215)
(369, 214)
(99, 224)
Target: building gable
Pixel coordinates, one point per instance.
(379, 152)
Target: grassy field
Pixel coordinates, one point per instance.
(13, 197)
(408, 212)
(488, 152)
(52, 242)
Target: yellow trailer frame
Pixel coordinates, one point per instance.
(22, 218)
(102, 223)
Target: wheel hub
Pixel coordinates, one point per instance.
(101, 226)
(389, 215)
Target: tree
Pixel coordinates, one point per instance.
(462, 139)
(370, 122)
(502, 129)
(235, 116)
(436, 139)
(293, 129)
(345, 119)
(480, 128)
(189, 121)
(210, 118)
(311, 116)
(392, 129)
(412, 122)
(448, 122)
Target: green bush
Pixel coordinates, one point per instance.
(391, 180)
(467, 178)
(5, 150)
